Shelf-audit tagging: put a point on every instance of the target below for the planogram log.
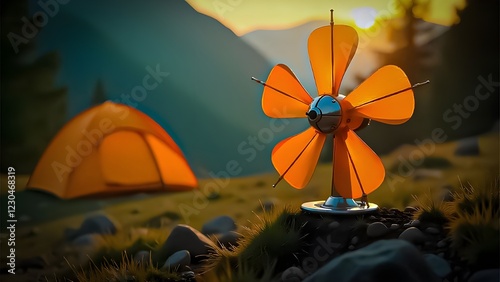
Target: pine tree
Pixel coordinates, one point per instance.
(32, 107)
(99, 95)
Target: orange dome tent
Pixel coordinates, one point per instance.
(108, 149)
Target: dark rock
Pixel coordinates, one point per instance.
(333, 225)
(394, 226)
(468, 147)
(411, 209)
(95, 224)
(228, 239)
(384, 260)
(440, 266)
(269, 204)
(424, 173)
(487, 275)
(184, 237)
(87, 240)
(292, 274)
(354, 240)
(376, 229)
(442, 244)
(220, 224)
(178, 260)
(432, 230)
(413, 235)
(142, 256)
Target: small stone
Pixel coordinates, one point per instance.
(269, 205)
(413, 235)
(351, 247)
(333, 225)
(354, 240)
(442, 244)
(394, 226)
(415, 223)
(220, 224)
(432, 230)
(410, 209)
(178, 260)
(372, 217)
(486, 275)
(87, 240)
(292, 274)
(376, 229)
(228, 239)
(440, 266)
(468, 147)
(188, 275)
(95, 224)
(142, 256)
(445, 195)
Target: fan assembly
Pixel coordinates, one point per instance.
(386, 96)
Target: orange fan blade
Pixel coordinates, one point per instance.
(345, 42)
(295, 158)
(284, 96)
(356, 168)
(386, 96)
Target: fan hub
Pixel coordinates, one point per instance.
(325, 114)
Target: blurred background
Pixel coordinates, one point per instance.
(60, 58)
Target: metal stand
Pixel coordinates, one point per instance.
(339, 205)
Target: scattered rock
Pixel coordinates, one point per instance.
(432, 230)
(423, 173)
(376, 229)
(178, 260)
(188, 275)
(333, 225)
(351, 247)
(354, 240)
(95, 224)
(384, 260)
(415, 223)
(411, 209)
(440, 266)
(413, 235)
(445, 195)
(487, 275)
(142, 256)
(394, 226)
(87, 240)
(214, 196)
(468, 147)
(184, 237)
(220, 224)
(228, 239)
(442, 244)
(268, 205)
(292, 274)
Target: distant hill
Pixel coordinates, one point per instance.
(207, 102)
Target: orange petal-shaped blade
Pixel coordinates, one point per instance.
(345, 42)
(386, 96)
(284, 96)
(295, 158)
(356, 168)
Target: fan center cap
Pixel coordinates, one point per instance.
(325, 114)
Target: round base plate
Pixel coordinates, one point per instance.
(338, 205)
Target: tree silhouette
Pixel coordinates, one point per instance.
(99, 95)
(32, 107)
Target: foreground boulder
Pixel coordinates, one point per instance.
(384, 260)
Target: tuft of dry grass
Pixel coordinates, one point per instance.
(475, 229)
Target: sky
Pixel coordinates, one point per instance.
(244, 16)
